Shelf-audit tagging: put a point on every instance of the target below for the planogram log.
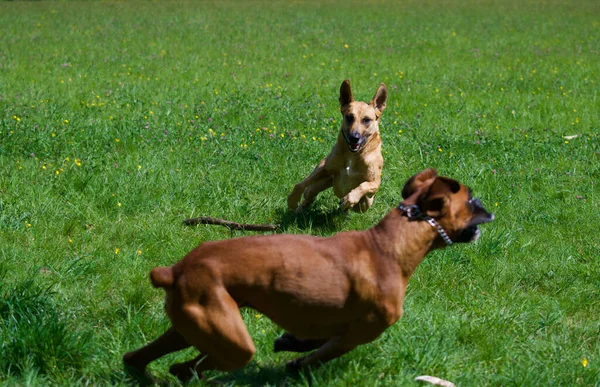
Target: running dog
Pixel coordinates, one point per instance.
(353, 168)
(328, 294)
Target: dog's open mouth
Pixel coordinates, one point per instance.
(354, 147)
(355, 142)
(470, 234)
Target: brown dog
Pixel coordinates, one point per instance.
(329, 294)
(354, 165)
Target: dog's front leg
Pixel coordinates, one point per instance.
(360, 198)
(318, 177)
(290, 343)
(333, 348)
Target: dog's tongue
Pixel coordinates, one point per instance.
(354, 147)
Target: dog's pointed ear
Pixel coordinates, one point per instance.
(379, 99)
(418, 181)
(437, 196)
(346, 93)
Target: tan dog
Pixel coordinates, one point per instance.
(353, 168)
(329, 294)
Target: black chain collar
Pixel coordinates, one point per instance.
(413, 212)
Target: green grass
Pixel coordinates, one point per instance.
(120, 119)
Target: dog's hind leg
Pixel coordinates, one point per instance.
(290, 343)
(217, 330)
(170, 341)
(185, 371)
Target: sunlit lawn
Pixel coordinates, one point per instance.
(120, 119)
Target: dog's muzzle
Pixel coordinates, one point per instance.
(354, 140)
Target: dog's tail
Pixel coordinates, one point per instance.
(162, 277)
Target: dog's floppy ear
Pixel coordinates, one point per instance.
(418, 181)
(433, 202)
(346, 93)
(378, 100)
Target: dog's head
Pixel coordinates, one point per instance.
(360, 120)
(449, 203)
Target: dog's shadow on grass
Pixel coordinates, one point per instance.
(254, 375)
(311, 219)
(250, 375)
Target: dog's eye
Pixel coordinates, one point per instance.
(349, 118)
(367, 121)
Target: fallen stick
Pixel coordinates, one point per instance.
(230, 225)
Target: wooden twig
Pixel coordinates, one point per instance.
(230, 225)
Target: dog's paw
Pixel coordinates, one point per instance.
(182, 371)
(293, 199)
(295, 365)
(282, 343)
(362, 206)
(137, 372)
(346, 203)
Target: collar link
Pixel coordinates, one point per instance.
(413, 212)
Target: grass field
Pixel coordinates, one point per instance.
(120, 119)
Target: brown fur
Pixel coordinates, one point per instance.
(329, 294)
(354, 175)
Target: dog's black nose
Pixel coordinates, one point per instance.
(353, 138)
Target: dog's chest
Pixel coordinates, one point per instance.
(347, 178)
(348, 168)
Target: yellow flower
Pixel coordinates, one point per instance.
(117, 250)
(345, 46)
(117, 140)
(139, 252)
(139, 167)
(28, 224)
(584, 362)
(119, 204)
